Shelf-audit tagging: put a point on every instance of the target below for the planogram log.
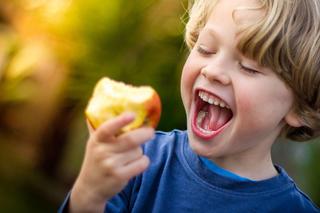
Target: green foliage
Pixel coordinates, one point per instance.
(131, 41)
(311, 169)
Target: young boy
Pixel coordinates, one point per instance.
(251, 76)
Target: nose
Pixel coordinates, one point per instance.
(216, 74)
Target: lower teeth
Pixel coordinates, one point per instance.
(200, 118)
(205, 131)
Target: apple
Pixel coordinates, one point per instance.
(111, 98)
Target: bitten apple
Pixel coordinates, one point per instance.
(111, 98)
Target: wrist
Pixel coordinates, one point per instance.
(83, 201)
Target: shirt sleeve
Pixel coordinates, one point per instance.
(122, 202)
(64, 206)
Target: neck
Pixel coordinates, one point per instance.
(254, 168)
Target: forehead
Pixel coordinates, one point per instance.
(232, 15)
(236, 11)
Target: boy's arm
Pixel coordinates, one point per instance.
(111, 160)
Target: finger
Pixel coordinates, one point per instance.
(133, 169)
(122, 159)
(133, 139)
(113, 126)
(131, 155)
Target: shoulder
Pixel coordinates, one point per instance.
(166, 150)
(303, 202)
(174, 135)
(165, 142)
(295, 198)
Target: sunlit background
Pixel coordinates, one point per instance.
(52, 52)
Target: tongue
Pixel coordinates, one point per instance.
(215, 118)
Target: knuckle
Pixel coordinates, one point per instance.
(131, 141)
(100, 153)
(109, 166)
(120, 176)
(143, 163)
(146, 160)
(148, 133)
(138, 151)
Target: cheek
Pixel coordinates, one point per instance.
(246, 100)
(265, 107)
(189, 72)
(249, 113)
(188, 77)
(244, 103)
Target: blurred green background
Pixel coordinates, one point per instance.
(52, 52)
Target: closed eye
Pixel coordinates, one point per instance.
(249, 70)
(204, 51)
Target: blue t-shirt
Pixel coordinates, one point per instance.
(178, 181)
(222, 172)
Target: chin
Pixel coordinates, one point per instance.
(199, 146)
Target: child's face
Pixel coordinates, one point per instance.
(254, 103)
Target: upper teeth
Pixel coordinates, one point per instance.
(212, 99)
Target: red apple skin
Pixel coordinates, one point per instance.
(151, 107)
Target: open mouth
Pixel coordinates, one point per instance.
(210, 116)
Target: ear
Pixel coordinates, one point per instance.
(293, 119)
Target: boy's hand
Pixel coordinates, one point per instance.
(111, 160)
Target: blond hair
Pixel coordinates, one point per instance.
(287, 40)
